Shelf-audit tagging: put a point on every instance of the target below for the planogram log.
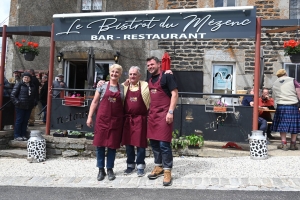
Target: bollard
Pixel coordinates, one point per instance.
(258, 145)
(36, 147)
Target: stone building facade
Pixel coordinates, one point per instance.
(187, 55)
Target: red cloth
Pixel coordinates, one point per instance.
(165, 62)
(109, 120)
(135, 124)
(158, 128)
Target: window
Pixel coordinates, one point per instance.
(223, 79)
(91, 5)
(293, 70)
(294, 9)
(224, 3)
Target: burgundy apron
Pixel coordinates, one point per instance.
(109, 120)
(135, 125)
(158, 129)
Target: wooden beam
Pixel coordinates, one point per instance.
(280, 30)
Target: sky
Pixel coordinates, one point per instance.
(4, 13)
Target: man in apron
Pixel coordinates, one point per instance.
(136, 105)
(163, 98)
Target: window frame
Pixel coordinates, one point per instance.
(92, 6)
(294, 11)
(225, 2)
(286, 66)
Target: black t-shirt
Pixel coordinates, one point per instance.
(167, 82)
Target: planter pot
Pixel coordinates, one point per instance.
(29, 56)
(74, 101)
(74, 136)
(58, 135)
(295, 58)
(219, 109)
(89, 138)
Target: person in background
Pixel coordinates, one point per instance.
(163, 98)
(36, 84)
(7, 88)
(265, 103)
(136, 105)
(23, 97)
(59, 83)
(286, 93)
(44, 96)
(109, 121)
(248, 101)
(16, 77)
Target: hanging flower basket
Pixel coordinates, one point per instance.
(74, 101)
(29, 56)
(295, 58)
(292, 49)
(30, 50)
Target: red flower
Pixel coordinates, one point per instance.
(291, 47)
(35, 45)
(23, 41)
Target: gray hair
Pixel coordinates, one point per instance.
(137, 68)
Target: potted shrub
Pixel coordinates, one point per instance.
(59, 133)
(74, 134)
(29, 49)
(89, 136)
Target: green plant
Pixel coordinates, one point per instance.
(195, 140)
(30, 47)
(89, 134)
(185, 141)
(291, 47)
(75, 133)
(219, 103)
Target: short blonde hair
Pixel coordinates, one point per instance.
(117, 67)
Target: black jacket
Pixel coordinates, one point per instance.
(21, 98)
(44, 93)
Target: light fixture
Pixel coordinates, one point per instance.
(116, 57)
(59, 57)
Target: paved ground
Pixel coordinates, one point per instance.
(234, 173)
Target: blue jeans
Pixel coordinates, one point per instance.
(262, 124)
(111, 155)
(45, 112)
(140, 157)
(22, 117)
(162, 152)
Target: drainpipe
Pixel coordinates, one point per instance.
(50, 78)
(3, 55)
(256, 73)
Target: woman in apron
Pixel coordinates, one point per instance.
(109, 121)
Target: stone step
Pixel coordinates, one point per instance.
(14, 153)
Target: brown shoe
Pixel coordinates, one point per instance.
(284, 147)
(293, 146)
(167, 178)
(156, 172)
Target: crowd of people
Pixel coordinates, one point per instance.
(26, 90)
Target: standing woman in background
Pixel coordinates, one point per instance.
(23, 97)
(286, 93)
(109, 121)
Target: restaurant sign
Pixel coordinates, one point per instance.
(200, 23)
